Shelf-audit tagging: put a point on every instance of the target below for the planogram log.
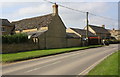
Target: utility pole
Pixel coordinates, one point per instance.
(87, 28)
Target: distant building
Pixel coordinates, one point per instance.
(99, 31)
(6, 27)
(93, 39)
(115, 33)
(47, 31)
(80, 32)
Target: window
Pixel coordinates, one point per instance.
(35, 40)
(2, 29)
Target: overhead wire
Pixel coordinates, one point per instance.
(81, 11)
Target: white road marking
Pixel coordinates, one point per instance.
(36, 59)
(37, 63)
(7, 71)
(93, 65)
(52, 63)
(42, 67)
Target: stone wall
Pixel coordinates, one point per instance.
(73, 42)
(13, 48)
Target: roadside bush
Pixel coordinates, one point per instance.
(16, 38)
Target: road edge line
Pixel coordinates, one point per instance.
(93, 65)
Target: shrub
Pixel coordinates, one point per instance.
(16, 38)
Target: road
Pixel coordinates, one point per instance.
(73, 63)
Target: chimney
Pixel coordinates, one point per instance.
(103, 26)
(113, 28)
(55, 9)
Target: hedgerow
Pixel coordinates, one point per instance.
(16, 38)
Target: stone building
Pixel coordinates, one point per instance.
(99, 31)
(47, 31)
(82, 34)
(6, 27)
(115, 33)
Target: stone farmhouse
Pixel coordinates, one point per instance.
(47, 31)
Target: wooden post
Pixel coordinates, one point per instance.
(87, 28)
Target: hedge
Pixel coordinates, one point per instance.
(16, 38)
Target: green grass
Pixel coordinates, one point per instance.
(109, 66)
(38, 53)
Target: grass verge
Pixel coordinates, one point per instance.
(109, 66)
(6, 58)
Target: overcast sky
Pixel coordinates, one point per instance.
(14, 11)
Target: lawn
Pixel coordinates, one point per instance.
(38, 53)
(109, 66)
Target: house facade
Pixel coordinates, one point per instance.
(6, 27)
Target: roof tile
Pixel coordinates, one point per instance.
(35, 22)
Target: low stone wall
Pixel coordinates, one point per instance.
(73, 42)
(94, 41)
(13, 48)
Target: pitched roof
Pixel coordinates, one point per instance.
(72, 35)
(36, 33)
(82, 32)
(5, 22)
(98, 29)
(35, 22)
(115, 32)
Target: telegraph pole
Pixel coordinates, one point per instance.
(87, 27)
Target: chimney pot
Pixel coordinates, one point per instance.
(55, 9)
(103, 26)
(113, 28)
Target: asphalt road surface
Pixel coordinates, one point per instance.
(73, 63)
